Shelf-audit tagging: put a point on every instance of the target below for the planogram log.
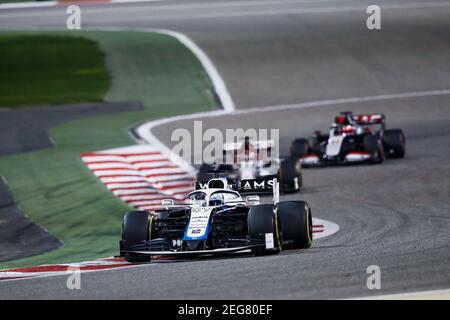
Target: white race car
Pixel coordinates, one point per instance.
(250, 168)
(352, 139)
(216, 220)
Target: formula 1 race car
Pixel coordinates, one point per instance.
(216, 220)
(250, 168)
(352, 139)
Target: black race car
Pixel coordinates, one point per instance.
(216, 220)
(352, 139)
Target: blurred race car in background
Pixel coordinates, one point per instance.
(250, 168)
(351, 139)
(216, 220)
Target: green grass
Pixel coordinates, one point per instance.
(56, 190)
(45, 69)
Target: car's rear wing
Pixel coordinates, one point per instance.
(369, 119)
(361, 119)
(246, 150)
(256, 144)
(260, 185)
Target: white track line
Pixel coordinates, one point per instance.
(291, 11)
(286, 11)
(321, 103)
(218, 5)
(443, 294)
(24, 5)
(217, 81)
(228, 4)
(45, 4)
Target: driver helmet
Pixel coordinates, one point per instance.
(216, 199)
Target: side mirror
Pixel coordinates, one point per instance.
(254, 200)
(167, 202)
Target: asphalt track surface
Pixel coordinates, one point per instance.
(395, 215)
(20, 237)
(26, 129)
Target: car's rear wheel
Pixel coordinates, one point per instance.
(295, 224)
(262, 220)
(299, 148)
(394, 143)
(290, 175)
(135, 230)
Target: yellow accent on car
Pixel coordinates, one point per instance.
(308, 227)
(276, 229)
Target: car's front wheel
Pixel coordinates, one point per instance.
(262, 223)
(296, 224)
(135, 230)
(374, 146)
(394, 143)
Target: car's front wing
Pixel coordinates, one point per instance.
(196, 252)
